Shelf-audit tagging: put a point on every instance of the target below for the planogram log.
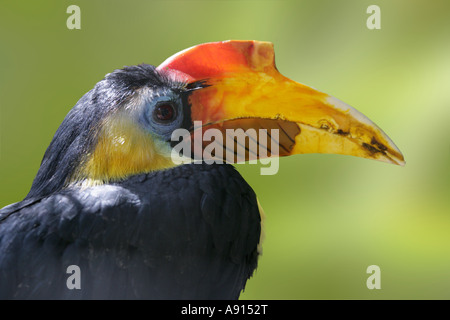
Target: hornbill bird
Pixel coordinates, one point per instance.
(111, 199)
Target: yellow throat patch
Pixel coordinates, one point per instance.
(123, 149)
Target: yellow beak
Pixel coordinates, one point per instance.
(245, 90)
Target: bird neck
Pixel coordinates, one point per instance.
(123, 149)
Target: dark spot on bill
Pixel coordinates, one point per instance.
(341, 132)
(371, 149)
(379, 145)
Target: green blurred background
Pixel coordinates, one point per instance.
(328, 217)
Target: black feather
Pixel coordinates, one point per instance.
(181, 233)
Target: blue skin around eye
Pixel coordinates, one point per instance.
(163, 130)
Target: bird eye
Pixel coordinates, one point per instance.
(164, 112)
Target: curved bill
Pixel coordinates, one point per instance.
(243, 91)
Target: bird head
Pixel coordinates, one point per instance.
(125, 125)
